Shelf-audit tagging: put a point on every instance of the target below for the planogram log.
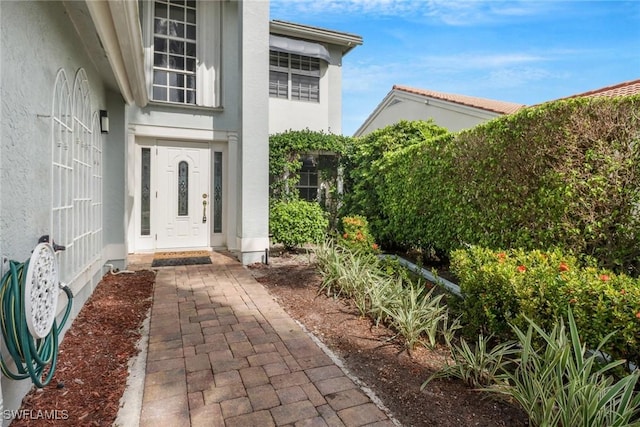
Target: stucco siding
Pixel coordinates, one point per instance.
(31, 56)
(325, 115)
(454, 119)
(253, 154)
(37, 40)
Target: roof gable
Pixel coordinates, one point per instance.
(492, 105)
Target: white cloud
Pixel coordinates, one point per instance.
(456, 13)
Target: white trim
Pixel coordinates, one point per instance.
(346, 41)
(124, 53)
(172, 132)
(126, 19)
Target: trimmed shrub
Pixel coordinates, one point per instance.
(564, 174)
(296, 222)
(418, 200)
(362, 179)
(508, 287)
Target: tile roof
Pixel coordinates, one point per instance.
(631, 87)
(501, 107)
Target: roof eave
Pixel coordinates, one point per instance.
(118, 26)
(345, 40)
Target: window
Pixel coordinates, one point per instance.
(217, 192)
(298, 72)
(145, 204)
(308, 184)
(174, 51)
(183, 188)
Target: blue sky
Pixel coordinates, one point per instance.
(519, 51)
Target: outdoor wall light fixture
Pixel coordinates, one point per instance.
(104, 121)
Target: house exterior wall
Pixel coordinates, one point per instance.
(253, 145)
(323, 116)
(114, 182)
(240, 122)
(37, 40)
(449, 115)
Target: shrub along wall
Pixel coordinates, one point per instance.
(564, 174)
(507, 287)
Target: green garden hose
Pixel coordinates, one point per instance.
(30, 355)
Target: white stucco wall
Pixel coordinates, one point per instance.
(113, 162)
(325, 115)
(253, 153)
(37, 39)
(449, 115)
(240, 122)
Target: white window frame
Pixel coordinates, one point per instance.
(303, 81)
(171, 81)
(208, 52)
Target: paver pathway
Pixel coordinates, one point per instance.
(222, 352)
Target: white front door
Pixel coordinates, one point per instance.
(183, 196)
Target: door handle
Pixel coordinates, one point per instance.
(204, 207)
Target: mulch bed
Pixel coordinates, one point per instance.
(376, 355)
(93, 358)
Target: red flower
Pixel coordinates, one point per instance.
(375, 246)
(638, 315)
(501, 256)
(345, 235)
(622, 291)
(522, 268)
(604, 277)
(563, 267)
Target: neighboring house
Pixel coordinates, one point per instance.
(631, 87)
(451, 111)
(181, 87)
(305, 90)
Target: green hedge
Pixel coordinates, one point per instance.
(296, 222)
(502, 287)
(564, 174)
(362, 179)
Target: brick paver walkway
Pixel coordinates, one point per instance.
(222, 352)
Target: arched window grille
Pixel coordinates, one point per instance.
(96, 201)
(62, 167)
(76, 220)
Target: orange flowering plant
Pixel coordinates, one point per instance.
(507, 287)
(356, 235)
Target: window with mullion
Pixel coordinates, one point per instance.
(301, 73)
(174, 51)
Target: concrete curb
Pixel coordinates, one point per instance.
(131, 400)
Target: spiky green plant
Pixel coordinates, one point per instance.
(418, 313)
(559, 384)
(329, 264)
(475, 365)
(383, 293)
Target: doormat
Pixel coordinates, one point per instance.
(172, 262)
(181, 254)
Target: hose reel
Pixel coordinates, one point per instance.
(28, 307)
